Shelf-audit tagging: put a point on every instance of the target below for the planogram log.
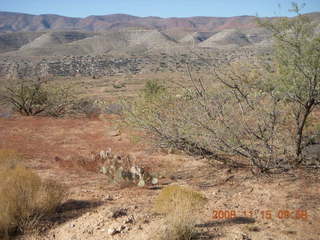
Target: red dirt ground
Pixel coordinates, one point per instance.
(50, 147)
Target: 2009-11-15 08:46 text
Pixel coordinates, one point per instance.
(297, 214)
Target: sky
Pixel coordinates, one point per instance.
(160, 8)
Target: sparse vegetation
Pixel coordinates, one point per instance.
(121, 170)
(24, 197)
(297, 67)
(118, 85)
(179, 204)
(250, 108)
(153, 89)
(32, 98)
(230, 107)
(173, 197)
(86, 106)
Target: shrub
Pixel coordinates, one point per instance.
(114, 108)
(153, 114)
(220, 122)
(24, 197)
(181, 207)
(118, 85)
(174, 197)
(87, 106)
(37, 97)
(152, 89)
(254, 110)
(297, 69)
(60, 98)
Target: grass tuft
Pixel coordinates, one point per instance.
(24, 197)
(180, 206)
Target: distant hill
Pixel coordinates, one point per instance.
(25, 35)
(16, 22)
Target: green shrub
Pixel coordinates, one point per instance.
(153, 89)
(297, 66)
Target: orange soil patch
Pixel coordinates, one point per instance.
(45, 138)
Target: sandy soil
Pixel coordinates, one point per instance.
(53, 147)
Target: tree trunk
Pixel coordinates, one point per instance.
(300, 129)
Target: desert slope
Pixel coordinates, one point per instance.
(17, 22)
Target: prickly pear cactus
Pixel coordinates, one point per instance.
(120, 168)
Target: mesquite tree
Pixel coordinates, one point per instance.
(297, 65)
(36, 97)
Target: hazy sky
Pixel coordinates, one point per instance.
(162, 8)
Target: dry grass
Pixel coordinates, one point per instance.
(179, 204)
(173, 197)
(9, 158)
(24, 197)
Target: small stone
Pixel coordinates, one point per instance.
(114, 133)
(109, 198)
(245, 237)
(118, 212)
(116, 229)
(129, 220)
(146, 221)
(112, 231)
(122, 227)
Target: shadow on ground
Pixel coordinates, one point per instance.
(232, 221)
(69, 210)
(212, 227)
